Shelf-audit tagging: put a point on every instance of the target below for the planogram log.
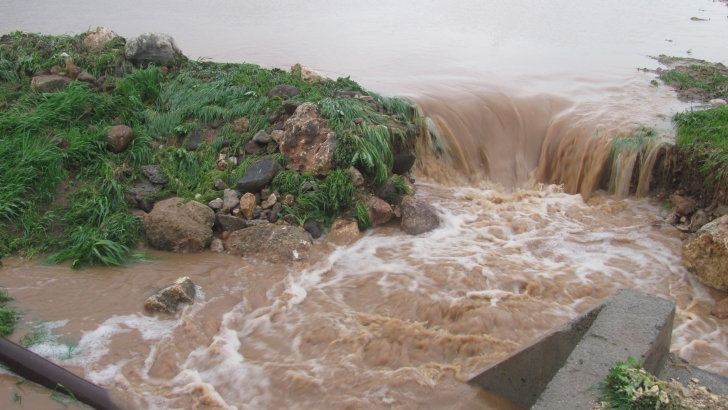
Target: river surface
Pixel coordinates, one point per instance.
(520, 93)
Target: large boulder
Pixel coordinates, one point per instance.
(272, 243)
(308, 144)
(166, 300)
(119, 137)
(151, 48)
(259, 174)
(49, 83)
(418, 216)
(705, 254)
(173, 226)
(99, 38)
(403, 162)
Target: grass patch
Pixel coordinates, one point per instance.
(629, 387)
(703, 136)
(9, 316)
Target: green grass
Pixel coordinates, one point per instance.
(53, 146)
(9, 316)
(362, 216)
(708, 78)
(703, 136)
(629, 387)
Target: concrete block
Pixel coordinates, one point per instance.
(573, 361)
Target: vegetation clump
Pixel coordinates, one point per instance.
(9, 316)
(630, 387)
(63, 192)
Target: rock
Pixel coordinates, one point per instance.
(705, 254)
(380, 212)
(344, 231)
(194, 140)
(166, 300)
(717, 102)
(290, 106)
(216, 123)
(173, 226)
(277, 136)
(261, 137)
(284, 91)
(265, 192)
(313, 228)
(403, 162)
(143, 188)
(273, 214)
(230, 199)
(418, 216)
(86, 78)
(221, 165)
(225, 235)
(49, 83)
(230, 223)
(241, 125)
(720, 309)
(289, 199)
(154, 174)
(308, 75)
(119, 137)
(251, 147)
(259, 174)
(146, 205)
(99, 38)
(356, 178)
(288, 218)
(275, 115)
(699, 219)
(272, 147)
(217, 246)
(268, 203)
(272, 243)
(358, 120)
(386, 189)
(247, 205)
(257, 212)
(220, 185)
(684, 206)
(151, 48)
(308, 144)
(215, 204)
(71, 69)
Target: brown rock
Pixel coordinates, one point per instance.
(277, 136)
(86, 77)
(251, 147)
(173, 226)
(683, 205)
(418, 216)
(289, 199)
(356, 178)
(119, 137)
(380, 212)
(241, 125)
(71, 69)
(166, 300)
(247, 205)
(49, 83)
(705, 254)
(308, 144)
(98, 38)
(720, 309)
(344, 231)
(268, 203)
(217, 246)
(699, 219)
(272, 243)
(225, 235)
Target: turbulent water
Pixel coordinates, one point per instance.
(519, 94)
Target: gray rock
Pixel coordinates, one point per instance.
(418, 216)
(194, 140)
(173, 226)
(290, 106)
(230, 199)
(700, 218)
(403, 162)
(386, 189)
(49, 83)
(86, 78)
(231, 223)
(313, 228)
(146, 205)
(154, 174)
(217, 246)
(143, 188)
(261, 137)
(151, 48)
(119, 137)
(216, 123)
(215, 204)
(284, 91)
(272, 243)
(259, 174)
(220, 185)
(167, 299)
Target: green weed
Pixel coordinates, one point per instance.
(703, 136)
(362, 216)
(9, 316)
(629, 387)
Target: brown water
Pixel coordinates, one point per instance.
(516, 93)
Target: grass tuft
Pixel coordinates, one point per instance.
(703, 136)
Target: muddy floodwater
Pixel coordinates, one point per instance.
(522, 94)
